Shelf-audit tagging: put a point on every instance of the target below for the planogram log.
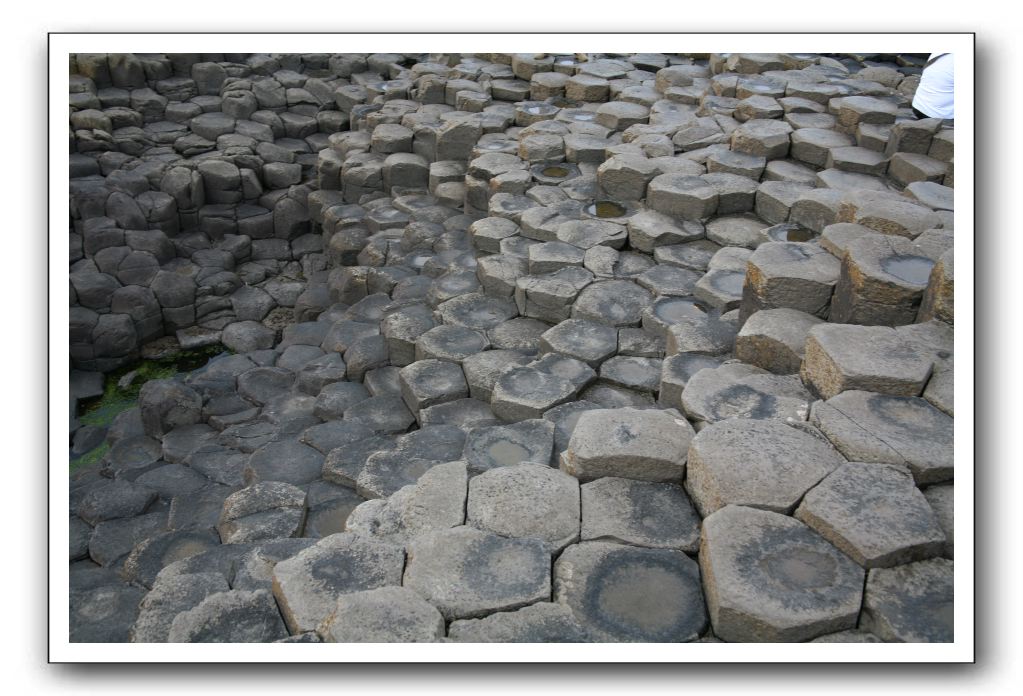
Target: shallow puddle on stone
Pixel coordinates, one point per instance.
(507, 453)
(788, 232)
(557, 172)
(332, 520)
(915, 270)
(677, 310)
(729, 282)
(605, 209)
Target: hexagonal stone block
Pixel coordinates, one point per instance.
(308, 584)
(237, 616)
(435, 501)
(429, 382)
(641, 513)
(584, 340)
(682, 197)
(154, 553)
(789, 274)
(912, 603)
(736, 390)
(169, 597)
(629, 594)
(649, 229)
(843, 357)
(451, 343)
(552, 256)
(812, 145)
(625, 177)
(766, 138)
(875, 514)
(103, 614)
(774, 339)
(720, 289)
(551, 297)
(629, 443)
(265, 510)
(769, 578)
(586, 234)
(904, 430)
(476, 311)
(467, 573)
(526, 392)
(762, 464)
(882, 282)
(526, 500)
(543, 622)
(490, 447)
(736, 230)
(631, 372)
(113, 500)
(383, 615)
(737, 163)
(285, 460)
(482, 370)
(613, 302)
(887, 213)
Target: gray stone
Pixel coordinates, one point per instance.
(774, 339)
(103, 614)
(768, 578)
(584, 340)
(468, 573)
(169, 597)
(941, 499)
(383, 615)
(796, 275)
(435, 501)
(490, 447)
(334, 399)
(886, 429)
(265, 510)
(384, 414)
(762, 464)
(843, 357)
(172, 480)
(166, 404)
(875, 514)
(614, 302)
(151, 555)
(237, 616)
(452, 343)
(286, 460)
(629, 594)
(526, 392)
(913, 603)
(114, 500)
(429, 382)
(641, 513)
(526, 501)
(628, 443)
(543, 622)
(308, 584)
(736, 390)
(682, 197)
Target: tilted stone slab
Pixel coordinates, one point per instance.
(383, 615)
(774, 339)
(641, 513)
(869, 427)
(467, 573)
(875, 514)
(435, 501)
(647, 445)
(758, 463)
(842, 357)
(543, 622)
(237, 616)
(264, 510)
(308, 585)
(789, 274)
(769, 578)
(630, 594)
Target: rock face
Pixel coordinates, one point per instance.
(533, 322)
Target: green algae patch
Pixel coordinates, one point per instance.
(121, 391)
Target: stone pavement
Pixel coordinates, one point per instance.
(543, 348)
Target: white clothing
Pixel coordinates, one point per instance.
(934, 96)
